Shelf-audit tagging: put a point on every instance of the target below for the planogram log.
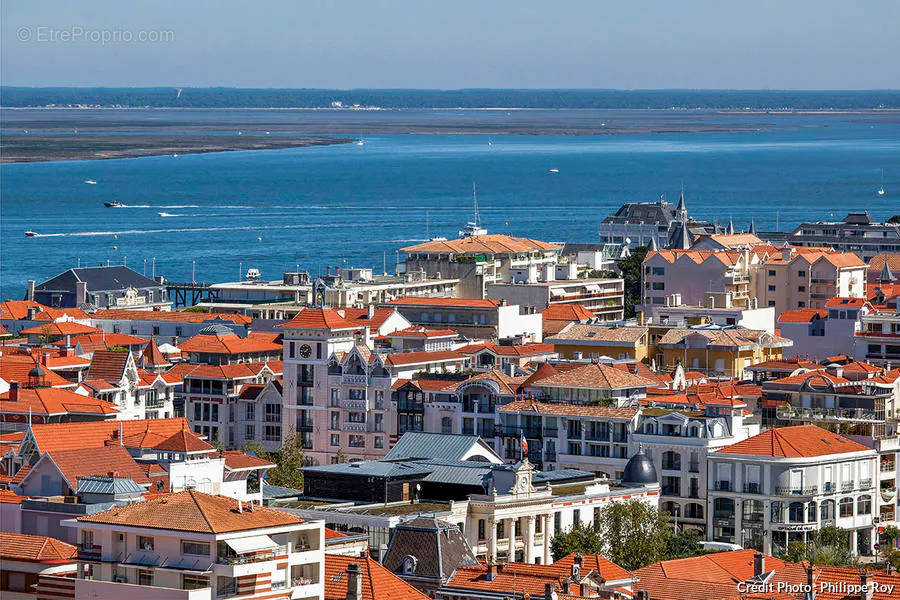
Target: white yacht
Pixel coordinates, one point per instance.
(473, 227)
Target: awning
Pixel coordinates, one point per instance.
(592, 287)
(254, 543)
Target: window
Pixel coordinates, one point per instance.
(864, 505)
(801, 273)
(291, 349)
(272, 433)
(179, 331)
(335, 420)
(194, 582)
(846, 507)
(250, 413)
(319, 351)
(156, 330)
(771, 272)
(446, 425)
(197, 409)
(16, 582)
(195, 548)
(273, 413)
(357, 441)
(658, 271)
(379, 441)
(335, 439)
(771, 288)
(771, 303)
(658, 285)
(145, 543)
(379, 422)
(801, 288)
(480, 529)
(145, 577)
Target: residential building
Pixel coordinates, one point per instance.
(717, 351)
(603, 298)
(24, 558)
(509, 359)
(857, 233)
(877, 339)
(217, 544)
(579, 341)
(717, 310)
(114, 377)
(472, 318)
(556, 317)
(821, 332)
(100, 287)
(691, 277)
(419, 339)
(219, 345)
(725, 241)
(61, 472)
(783, 484)
(362, 578)
(16, 315)
(21, 406)
(171, 327)
(479, 260)
(808, 279)
(651, 223)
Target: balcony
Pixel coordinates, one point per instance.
(865, 484)
(887, 467)
(354, 427)
(723, 486)
(596, 437)
(348, 379)
(360, 404)
(671, 465)
(847, 486)
(831, 414)
(89, 552)
(792, 491)
(752, 487)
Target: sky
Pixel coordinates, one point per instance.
(623, 44)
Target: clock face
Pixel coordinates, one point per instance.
(305, 351)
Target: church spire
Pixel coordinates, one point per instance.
(886, 276)
(752, 227)
(730, 229)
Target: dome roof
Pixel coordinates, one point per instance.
(216, 329)
(37, 373)
(639, 470)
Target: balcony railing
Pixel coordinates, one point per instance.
(671, 465)
(793, 491)
(751, 488)
(723, 486)
(348, 379)
(847, 486)
(355, 404)
(865, 484)
(354, 427)
(246, 559)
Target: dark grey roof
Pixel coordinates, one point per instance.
(371, 468)
(639, 470)
(643, 212)
(442, 446)
(273, 492)
(97, 279)
(216, 329)
(112, 486)
(438, 548)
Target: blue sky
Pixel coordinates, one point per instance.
(786, 44)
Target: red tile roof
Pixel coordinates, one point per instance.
(399, 359)
(58, 329)
(566, 312)
(171, 316)
(533, 349)
(236, 460)
(193, 511)
(479, 244)
(794, 442)
(840, 583)
(97, 461)
(802, 315)
(332, 534)
(232, 371)
(184, 441)
(92, 342)
(108, 365)
(377, 582)
(321, 318)
(446, 302)
(596, 563)
(544, 371)
(20, 474)
(17, 310)
(840, 302)
(10, 497)
(232, 343)
(596, 376)
(54, 401)
(580, 410)
(35, 548)
(96, 434)
(360, 316)
(517, 577)
(15, 367)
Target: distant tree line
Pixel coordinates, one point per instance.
(12, 96)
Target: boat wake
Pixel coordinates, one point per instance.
(188, 229)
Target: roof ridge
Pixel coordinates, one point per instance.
(202, 512)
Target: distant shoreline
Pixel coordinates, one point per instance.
(726, 111)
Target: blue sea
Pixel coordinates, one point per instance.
(278, 210)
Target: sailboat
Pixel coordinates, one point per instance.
(473, 227)
(880, 191)
(428, 236)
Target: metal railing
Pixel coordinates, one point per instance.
(723, 486)
(751, 488)
(792, 491)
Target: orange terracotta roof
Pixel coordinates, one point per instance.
(54, 401)
(735, 239)
(10, 497)
(171, 316)
(102, 341)
(596, 376)
(596, 563)
(580, 410)
(840, 302)
(794, 442)
(237, 460)
(836, 583)
(193, 511)
(58, 329)
(17, 310)
(35, 548)
(399, 359)
(533, 349)
(143, 439)
(232, 371)
(802, 315)
(331, 534)
(184, 441)
(566, 312)
(52, 314)
(421, 332)
(108, 365)
(446, 302)
(817, 378)
(726, 257)
(481, 244)
(232, 343)
(15, 367)
(544, 371)
(360, 316)
(97, 461)
(20, 474)
(518, 577)
(320, 318)
(96, 434)
(783, 364)
(377, 582)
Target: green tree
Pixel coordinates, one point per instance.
(256, 449)
(289, 460)
(828, 546)
(894, 219)
(217, 444)
(600, 274)
(631, 534)
(684, 544)
(889, 536)
(631, 273)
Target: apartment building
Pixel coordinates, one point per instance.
(717, 351)
(695, 275)
(808, 279)
(479, 260)
(652, 224)
(578, 341)
(783, 484)
(719, 309)
(486, 357)
(481, 319)
(857, 233)
(217, 548)
(24, 558)
(877, 339)
(679, 433)
(822, 332)
(603, 298)
(170, 327)
(219, 345)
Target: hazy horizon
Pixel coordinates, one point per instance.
(826, 45)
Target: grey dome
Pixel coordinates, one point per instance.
(216, 329)
(36, 373)
(639, 470)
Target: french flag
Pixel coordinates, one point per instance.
(524, 445)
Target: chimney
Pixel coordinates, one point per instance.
(759, 564)
(866, 585)
(491, 572)
(786, 253)
(354, 582)
(32, 312)
(29, 291)
(13, 391)
(371, 312)
(80, 293)
(810, 580)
